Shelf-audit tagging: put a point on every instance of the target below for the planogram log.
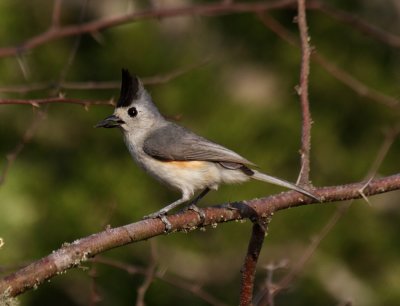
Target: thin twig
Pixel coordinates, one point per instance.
(100, 85)
(94, 296)
(250, 262)
(184, 284)
(339, 74)
(316, 241)
(356, 85)
(27, 137)
(149, 275)
(265, 295)
(38, 102)
(75, 47)
(388, 140)
(389, 136)
(304, 175)
(195, 289)
(11, 157)
(356, 22)
(70, 255)
(56, 15)
(213, 9)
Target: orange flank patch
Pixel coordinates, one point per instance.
(192, 164)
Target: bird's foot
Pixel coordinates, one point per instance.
(162, 215)
(197, 210)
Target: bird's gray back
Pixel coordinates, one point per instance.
(172, 142)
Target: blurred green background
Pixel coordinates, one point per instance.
(71, 180)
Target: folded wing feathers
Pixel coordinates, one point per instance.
(173, 142)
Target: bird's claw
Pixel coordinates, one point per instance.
(163, 217)
(197, 210)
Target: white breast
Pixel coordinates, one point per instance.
(186, 176)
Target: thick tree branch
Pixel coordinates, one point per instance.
(71, 255)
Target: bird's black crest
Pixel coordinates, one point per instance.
(129, 89)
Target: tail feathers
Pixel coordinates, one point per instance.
(273, 180)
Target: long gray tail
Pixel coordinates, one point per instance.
(273, 180)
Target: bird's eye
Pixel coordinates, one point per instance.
(132, 112)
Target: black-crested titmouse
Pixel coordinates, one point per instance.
(175, 155)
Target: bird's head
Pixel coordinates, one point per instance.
(135, 111)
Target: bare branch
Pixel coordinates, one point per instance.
(149, 276)
(355, 22)
(56, 16)
(316, 241)
(341, 75)
(356, 85)
(13, 154)
(71, 255)
(152, 80)
(94, 296)
(259, 229)
(304, 176)
(250, 262)
(172, 280)
(38, 102)
(76, 45)
(390, 136)
(26, 88)
(267, 294)
(213, 9)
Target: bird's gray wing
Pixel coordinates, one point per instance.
(174, 143)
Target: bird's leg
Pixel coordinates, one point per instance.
(162, 212)
(192, 205)
(198, 198)
(185, 197)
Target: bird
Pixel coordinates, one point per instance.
(176, 156)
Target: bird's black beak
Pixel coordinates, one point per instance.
(110, 122)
